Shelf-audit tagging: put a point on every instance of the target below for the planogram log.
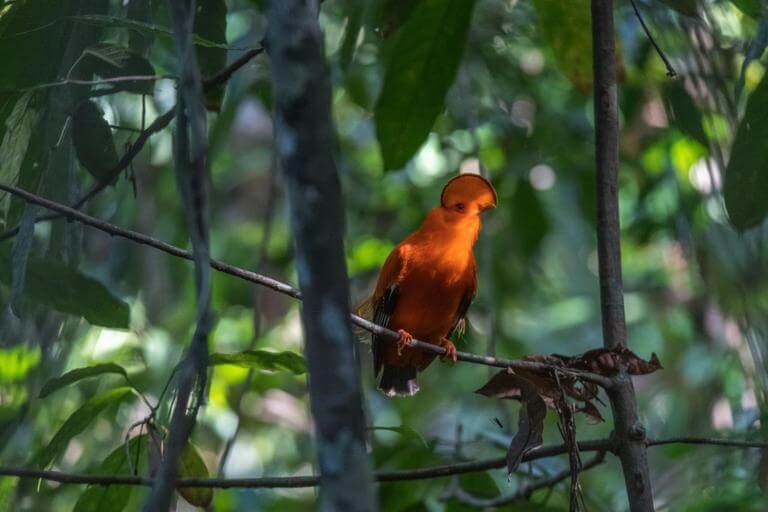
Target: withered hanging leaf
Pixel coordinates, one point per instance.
(608, 362)
(593, 413)
(530, 423)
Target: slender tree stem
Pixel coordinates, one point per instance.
(629, 431)
(305, 145)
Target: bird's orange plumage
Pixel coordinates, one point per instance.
(428, 282)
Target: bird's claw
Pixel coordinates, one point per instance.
(450, 350)
(403, 341)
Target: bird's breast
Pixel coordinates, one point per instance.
(430, 293)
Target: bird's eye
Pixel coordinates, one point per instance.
(460, 207)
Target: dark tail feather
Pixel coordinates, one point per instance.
(398, 380)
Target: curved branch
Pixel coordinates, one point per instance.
(286, 289)
(595, 445)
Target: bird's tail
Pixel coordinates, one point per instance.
(398, 380)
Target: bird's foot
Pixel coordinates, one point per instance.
(450, 350)
(403, 341)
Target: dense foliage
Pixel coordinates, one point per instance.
(92, 325)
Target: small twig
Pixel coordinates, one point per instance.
(671, 73)
(101, 81)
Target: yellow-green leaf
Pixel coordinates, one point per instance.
(77, 422)
(191, 465)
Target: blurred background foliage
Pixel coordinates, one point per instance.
(518, 107)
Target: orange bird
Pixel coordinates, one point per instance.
(427, 284)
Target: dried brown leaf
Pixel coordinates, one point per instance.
(530, 425)
(593, 413)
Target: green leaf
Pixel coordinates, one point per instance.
(77, 422)
(191, 465)
(79, 374)
(570, 41)
(404, 431)
(141, 11)
(425, 58)
(112, 498)
(211, 24)
(110, 61)
(752, 8)
(18, 130)
(686, 7)
(65, 289)
(354, 10)
(746, 176)
(32, 42)
(7, 490)
(143, 28)
(262, 360)
(683, 113)
(93, 141)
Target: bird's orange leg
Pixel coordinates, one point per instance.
(404, 341)
(450, 350)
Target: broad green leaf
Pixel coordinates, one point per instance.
(65, 289)
(354, 10)
(110, 61)
(683, 113)
(93, 141)
(79, 374)
(571, 41)
(211, 24)
(529, 216)
(77, 422)
(141, 27)
(7, 490)
(22, 245)
(404, 431)
(479, 484)
(752, 8)
(191, 465)
(686, 7)
(746, 176)
(426, 55)
(32, 42)
(262, 360)
(112, 498)
(18, 131)
(141, 11)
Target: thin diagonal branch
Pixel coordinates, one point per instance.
(288, 290)
(596, 445)
(191, 166)
(525, 491)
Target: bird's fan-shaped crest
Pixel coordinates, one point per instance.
(468, 187)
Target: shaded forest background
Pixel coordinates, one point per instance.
(519, 109)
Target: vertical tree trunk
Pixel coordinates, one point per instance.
(306, 144)
(629, 432)
(192, 178)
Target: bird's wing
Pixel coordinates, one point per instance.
(384, 299)
(460, 322)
